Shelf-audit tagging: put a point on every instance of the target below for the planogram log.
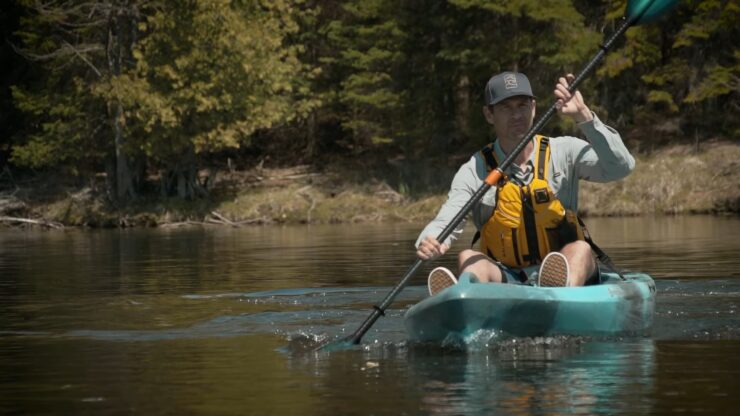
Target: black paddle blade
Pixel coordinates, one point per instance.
(655, 9)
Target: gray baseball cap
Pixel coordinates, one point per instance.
(505, 85)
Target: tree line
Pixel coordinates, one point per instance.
(143, 89)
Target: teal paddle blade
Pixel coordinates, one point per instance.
(336, 345)
(652, 9)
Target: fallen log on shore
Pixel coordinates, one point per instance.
(42, 222)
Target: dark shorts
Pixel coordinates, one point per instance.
(517, 276)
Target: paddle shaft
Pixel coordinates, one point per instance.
(492, 179)
(379, 310)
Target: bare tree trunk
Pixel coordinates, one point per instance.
(182, 185)
(110, 175)
(182, 180)
(462, 111)
(311, 136)
(124, 179)
(121, 37)
(188, 186)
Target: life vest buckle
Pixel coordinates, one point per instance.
(541, 196)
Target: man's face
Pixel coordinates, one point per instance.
(512, 117)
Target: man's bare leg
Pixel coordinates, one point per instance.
(580, 262)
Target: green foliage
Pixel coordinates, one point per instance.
(208, 75)
(368, 42)
(159, 82)
(66, 116)
(689, 65)
(373, 77)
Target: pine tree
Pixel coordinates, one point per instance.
(689, 71)
(368, 58)
(77, 46)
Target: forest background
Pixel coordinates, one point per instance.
(117, 113)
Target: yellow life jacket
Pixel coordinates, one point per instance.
(528, 221)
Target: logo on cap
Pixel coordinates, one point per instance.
(510, 81)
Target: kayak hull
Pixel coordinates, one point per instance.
(614, 307)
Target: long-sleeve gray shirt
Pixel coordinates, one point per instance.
(602, 157)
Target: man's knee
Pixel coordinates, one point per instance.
(581, 260)
(480, 265)
(468, 258)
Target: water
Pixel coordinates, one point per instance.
(223, 321)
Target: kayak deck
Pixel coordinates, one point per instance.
(612, 307)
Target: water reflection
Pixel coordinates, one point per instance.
(544, 376)
(567, 377)
(677, 247)
(199, 321)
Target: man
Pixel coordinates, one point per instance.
(529, 233)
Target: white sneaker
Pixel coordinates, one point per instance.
(554, 270)
(439, 279)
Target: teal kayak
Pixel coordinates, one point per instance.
(613, 307)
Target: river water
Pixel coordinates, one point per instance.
(223, 321)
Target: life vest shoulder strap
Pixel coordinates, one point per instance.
(490, 157)
(543, 156)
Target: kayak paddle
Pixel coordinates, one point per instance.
(638, 11)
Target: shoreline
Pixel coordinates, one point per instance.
(676, 180)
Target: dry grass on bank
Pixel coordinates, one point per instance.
(326, 199)
(676, 180)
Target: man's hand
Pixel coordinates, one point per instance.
(571, 105)
(430, 248)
